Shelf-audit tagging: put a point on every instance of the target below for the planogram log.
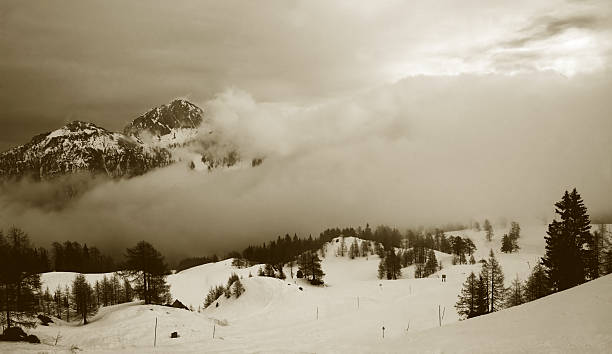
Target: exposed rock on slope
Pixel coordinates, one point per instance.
(78, 147)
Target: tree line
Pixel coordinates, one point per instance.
(21, 296)
(574, 255)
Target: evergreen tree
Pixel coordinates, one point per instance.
(515, 230)
(116, 289)
(238, 288)
(488, 229)
(66, 302)
(19, 277)
(354, 249)
(419, 270)
(468, 299)
(537, 285)
(213, 294)
(407, 257)
(382, 269)
(269, 271)
(431, 266)
(392, 265)
(98, 292)
(83, 299)
(482, 292)
(476, 226)
(380, 251)
(568, 259)
(128, 292)
(147, 266)
(472, 260)
(496, 283)
(365, 248)
(515, 295)
(309, 264)
(57, 299)
(506, 244)
(599, 250)
(47, 301)
(342, 248)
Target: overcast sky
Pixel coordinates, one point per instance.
(108, 61)
(396, 112)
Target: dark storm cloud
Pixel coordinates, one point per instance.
(108, 61)
(306, 83)
(423, 151)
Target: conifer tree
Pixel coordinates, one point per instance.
(147, 266)
(496, 283)
(468, 299)
(365, 248)
(269, 271)
(419, 270)
(392, 265)
(568, 259)
(213, 294)
(342, 248)
(488, 229)
(482, 292)
(19, 278)
(515, 295)
(472, 260)
(506, 244)
(238, 288)
(382, 269)
(83, 299)
(57, 299)
(128, 292)
(66, 302)
(309, 264)
(47, 301)
(537, 285)
(431, 266)
(599, 250)
(476, 226)
(354, 250)
(98, 292)
(515, 231)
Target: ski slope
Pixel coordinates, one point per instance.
(347, 314)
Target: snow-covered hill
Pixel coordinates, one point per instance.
(348, 313)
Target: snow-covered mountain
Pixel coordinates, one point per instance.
(176, 131)
(168, 125)
(81, 147)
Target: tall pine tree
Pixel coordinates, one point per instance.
(568, 259)
(83, 299)
(496, 284)
(149, 270)
(19, 277)
(468, 299)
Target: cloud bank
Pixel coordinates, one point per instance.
(422, 151)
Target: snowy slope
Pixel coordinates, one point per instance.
(191, 285)
(348, 313)
(573, 321)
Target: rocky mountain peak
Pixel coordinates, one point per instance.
(164, 119)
